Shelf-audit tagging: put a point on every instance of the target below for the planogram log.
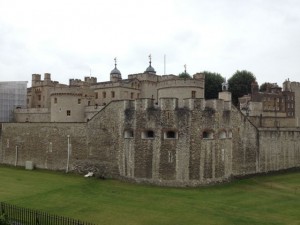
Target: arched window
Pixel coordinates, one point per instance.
(208, 134)
(148, 134)
(170, 134)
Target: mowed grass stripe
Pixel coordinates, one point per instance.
(271, 199)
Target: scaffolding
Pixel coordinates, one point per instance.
(12, 95)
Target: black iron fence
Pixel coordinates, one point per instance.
(23, 216)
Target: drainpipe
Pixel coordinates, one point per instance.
(68, 158)
(16, 156)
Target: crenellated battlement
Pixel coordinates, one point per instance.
(179, 82)
(67, 91)
(171, 104)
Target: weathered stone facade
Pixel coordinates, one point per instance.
(201, 142)
(150, 128)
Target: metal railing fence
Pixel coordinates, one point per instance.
(23, 216)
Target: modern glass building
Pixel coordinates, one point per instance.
(12, 95)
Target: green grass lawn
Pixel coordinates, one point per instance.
(260, 200)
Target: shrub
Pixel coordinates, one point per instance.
(4, 220)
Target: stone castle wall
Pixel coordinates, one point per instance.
(295, 87)
(32, 115)
(45, 144)
(201, 143)
(279, 149)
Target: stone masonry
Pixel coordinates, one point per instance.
(194, 143)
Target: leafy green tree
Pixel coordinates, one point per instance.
(240, 84)
(184, 75)
(264, 86)
(213, 85)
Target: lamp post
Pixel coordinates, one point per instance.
(68, 158)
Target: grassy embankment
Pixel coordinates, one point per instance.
(259, 200)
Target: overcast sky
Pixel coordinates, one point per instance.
(76, 38)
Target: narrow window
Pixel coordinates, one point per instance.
(137, 95)
(96, 95)
(55, 100)
(131, 95)
(207, 135)
(79, 101)
(68, 112)
(39, 97)
(170, 134)
(193, 94)
(104, 94)
(148, 134)
(112, 94)
(27, 100)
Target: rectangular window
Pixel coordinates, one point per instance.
(131, 95)
(170, 135)
(193, 94)
(149, 134)
(104, 94)
(112, 94)
(79, 101)
(39, 97)
(128, 134)
(68, 112)
(96, 95)
(55, 100)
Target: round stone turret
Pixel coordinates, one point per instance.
(150, 69)
(115, 74)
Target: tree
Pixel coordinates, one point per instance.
(4, 220)
(240, 84)
(264, 86)
(213, 84)
(184, 75)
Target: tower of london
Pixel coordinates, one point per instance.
(147, 128)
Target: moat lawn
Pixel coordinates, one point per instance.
(260, 200)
